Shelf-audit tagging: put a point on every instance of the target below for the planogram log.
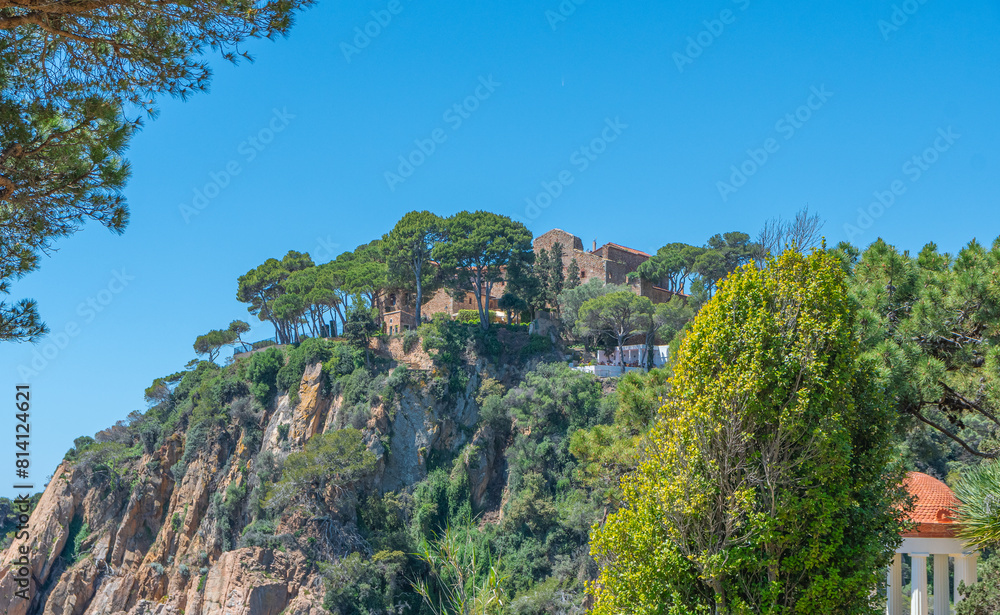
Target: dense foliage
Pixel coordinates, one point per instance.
(794, 399)
(767, 485)
(71, 73)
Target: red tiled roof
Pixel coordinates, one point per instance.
(935, 506)
(621, 247)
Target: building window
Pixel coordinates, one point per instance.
(583, 274)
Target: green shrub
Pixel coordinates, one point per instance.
(309, 352)
(225, 508)
(156, 566)
(399, 378)
(194, 440)
(335, 459)
(468, 316)
(983, 598)
(383, 521)
(445, 339)
(78, 532)
(344, 359)
(175, 522)
(260, 533)
(283, 432)
(261, 369)
(537, 344)
(356, 585)
(410, 340)
(441, 500)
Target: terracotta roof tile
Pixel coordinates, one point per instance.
(935, 504)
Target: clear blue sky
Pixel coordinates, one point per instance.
(690, 113)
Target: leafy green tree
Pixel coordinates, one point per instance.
(321, 474)
(541, 269)
(619, 316)
(129, 56)
(289, 310)
(606, 453)
(318, 294)
(672, 316)
(768, 484)
(511, 304)
(408, 248)
(159, 391)
(477, 249)
(523, 290)
(239, 328)
(555, 278)
(266, 289)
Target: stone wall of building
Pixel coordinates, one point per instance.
(440, 302)
(620, 254)
(547, 240)
(656, 294)
(591, 265)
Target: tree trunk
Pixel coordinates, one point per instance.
(720, 597)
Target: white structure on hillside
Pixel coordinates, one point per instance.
(630, 359)
(934, 537)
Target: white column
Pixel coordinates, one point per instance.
(972, 569)
(958, 578)
(918, 576)
(965, 570)
(942, 601)
(894, 587)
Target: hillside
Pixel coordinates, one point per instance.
(211, 502)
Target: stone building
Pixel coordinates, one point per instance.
(611, 263)
(398, 314)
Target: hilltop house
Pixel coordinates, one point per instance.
(610, 263)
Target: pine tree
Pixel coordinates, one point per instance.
(572, 276)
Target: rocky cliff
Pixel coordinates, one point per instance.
(146, 537)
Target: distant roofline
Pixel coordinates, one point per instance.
(594, 252)
(621, 247)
